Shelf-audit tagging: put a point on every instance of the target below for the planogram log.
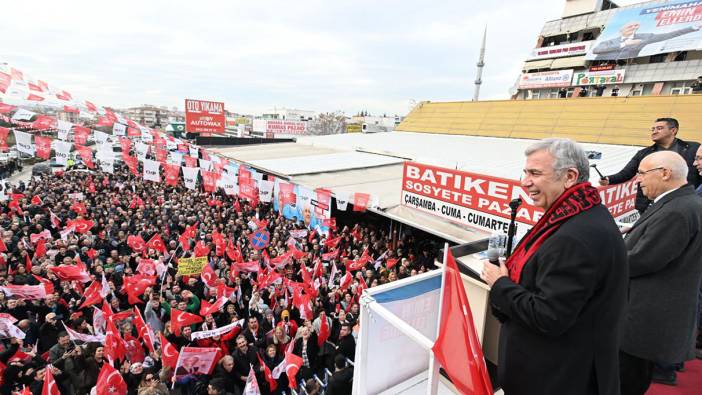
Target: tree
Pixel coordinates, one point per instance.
(327, 123)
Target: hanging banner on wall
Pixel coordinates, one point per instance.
(605, 77)
(482, 201)
(546, 79)
(649, 30)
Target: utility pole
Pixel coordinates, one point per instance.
(480, 64)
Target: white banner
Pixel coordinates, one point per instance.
(63, 129)
(195, 360)
(108, 167)
(62, 149)
(141, 150)
(119, 130)
(205, 164)
(27, 292)
(342, 200)
(9, 330)
(190, 177)
(265, 190)
(24, 142)
(147, 137)
(546, 79)
(228, 183)
(85, 338)
(598, 77)
(104, 152)
(151, 172)
(194, 151)
(558, 51)
(176, 158)
(101, 137)
(216, 331)
(23, 115)
(171, 145)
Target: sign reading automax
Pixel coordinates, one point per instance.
(557, 51)
(204, 116)
(482, 201)
(546, 79)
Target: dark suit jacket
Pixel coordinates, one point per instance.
(686, 149)
(612, 49)
(561, 322)
(665, 269)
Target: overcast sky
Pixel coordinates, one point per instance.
(254, 55)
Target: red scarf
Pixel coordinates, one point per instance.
(574, 200)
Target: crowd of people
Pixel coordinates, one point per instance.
(282, 305)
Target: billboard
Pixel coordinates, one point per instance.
(482, 201)
(204, 116)
(650, 30)
(604, 77)
(311, 208)
(546, 79)
(558, 51)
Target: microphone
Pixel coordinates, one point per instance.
(594, 166)
(493, 255)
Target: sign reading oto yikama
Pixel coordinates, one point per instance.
(204, 116)
(482, 201)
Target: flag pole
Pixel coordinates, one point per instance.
(434, 376)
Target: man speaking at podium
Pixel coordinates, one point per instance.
(561, 294)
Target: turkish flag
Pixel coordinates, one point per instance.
(33, 97)
(390, 263)
(92, 253)
(457, 348)
(180, 319)
(50, 387)
(250, 266)
(156, 243)
(136, 285)
(110, 381)
(143, 330)
(190, 161)
(293, 364)
(201, 249)
(233, 252)
(209, 180)
(36, 200)
(86, 154)
(272, 383)
(80, 225)
(92, 294)
(43, 147)
(63, 95)
(136, 243)
(79, 208)
(323, 329)
(70, 273)
(3, 247)
(207, 308)
(146, 266)
(208, 276)
(332, 243)
(90, 106)
(126, 144)
(131, 162)
(114, 345)
(161, 155)
(184, 240)
(169, 354)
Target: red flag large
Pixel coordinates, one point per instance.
(136, 243)
(156, 243)
(293, 364)
(457, 348)
(272, 383)
(180, 319)
(50, 387)
(169, 354)
(136, 285)
(92, 294)
(43, 146)
(323, 329)
(110, 382)
(144, 332)
(114, 345)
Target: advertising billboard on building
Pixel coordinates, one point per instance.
(559, 51)
(546, 79)
(203, 116)
(279, 127)
(604, 77)
(482, 201)
(649, 30)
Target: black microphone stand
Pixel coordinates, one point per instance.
(512, 230)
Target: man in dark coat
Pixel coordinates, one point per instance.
(341, 381)
(561, 294)
(664, 248)
(664, 136)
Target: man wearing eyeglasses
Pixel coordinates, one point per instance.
(664, 136)
(664, 248)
